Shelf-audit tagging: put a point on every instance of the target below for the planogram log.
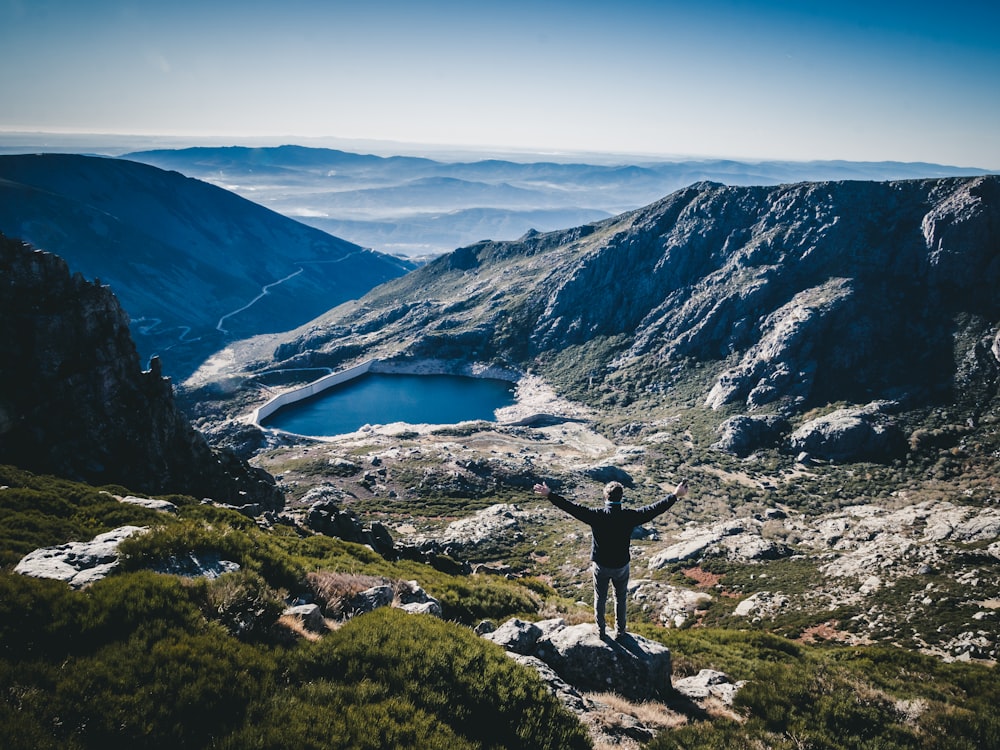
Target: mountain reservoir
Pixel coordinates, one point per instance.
(383, 398)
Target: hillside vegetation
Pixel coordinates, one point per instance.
(820, 361)
(161, 661)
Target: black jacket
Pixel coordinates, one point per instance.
(612, 526)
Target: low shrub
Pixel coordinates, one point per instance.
(244, 603)
(469, 601)
(469, 686)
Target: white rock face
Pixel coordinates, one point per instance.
(675, 605)
(164, 506)
(497, 521)
(738, 539)
(77, 563)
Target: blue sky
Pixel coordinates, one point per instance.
(780, 79)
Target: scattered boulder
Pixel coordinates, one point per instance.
(709, 683)
(735, 539)
(568, 695)
(741, 435)
(500, 521)
(164, 506)
(608, 473)
(675, 605)
(78, 563)
(411, 598)
(201, 565)
(761, 604)
(856, 434)
(405, 595)
(326, 517)
(309, 615)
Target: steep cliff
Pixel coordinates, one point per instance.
(74, 401)
(792, 296)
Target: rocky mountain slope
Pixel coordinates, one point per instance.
(74, 401)
(194, 266)
(763, 301)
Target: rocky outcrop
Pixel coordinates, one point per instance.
(495, 527)
(673, 605)
(325, 516)
(633, 666)
(889, 566)
(596, 678)
(74, 401)
(857, 434)
(741, 435)
(77, 563)
(737, 539)
(83, 563)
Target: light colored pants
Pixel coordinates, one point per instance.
(602, 577)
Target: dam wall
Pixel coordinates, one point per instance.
(308, 390)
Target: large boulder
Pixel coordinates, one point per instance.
(854, 434)
(632, 666)
(741, 435)
(326, 517)
(77, 563)
(737, 539)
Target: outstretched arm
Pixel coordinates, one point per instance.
(660, 506)
(579, 512)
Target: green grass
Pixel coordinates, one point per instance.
(151, 660)
(835, 697)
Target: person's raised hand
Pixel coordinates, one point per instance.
(681, 490)
(542, 489)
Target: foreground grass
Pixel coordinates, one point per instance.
(151, 660)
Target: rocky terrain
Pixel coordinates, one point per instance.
(75, 402)
(819, 361)
(784, 299)
(813, 357)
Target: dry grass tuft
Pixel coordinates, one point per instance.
(651, 714)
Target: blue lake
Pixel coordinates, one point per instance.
(378, 398)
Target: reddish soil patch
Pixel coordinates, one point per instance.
(826, 631)
(702, 578)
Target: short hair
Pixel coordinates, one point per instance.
(613, 492)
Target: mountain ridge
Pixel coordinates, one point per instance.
(182, 255)
(793, 297)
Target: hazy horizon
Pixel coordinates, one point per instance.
(774, 80)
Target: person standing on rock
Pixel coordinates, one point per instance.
(611, 527)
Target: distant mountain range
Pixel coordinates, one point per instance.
(418, 206)
(194, 265)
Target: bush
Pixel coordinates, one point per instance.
(469, 686)
(250, 548)
(172, 692)
(244, 603)
(469, 601)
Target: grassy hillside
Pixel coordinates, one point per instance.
(154, 660)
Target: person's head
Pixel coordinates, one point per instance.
(613, 492)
